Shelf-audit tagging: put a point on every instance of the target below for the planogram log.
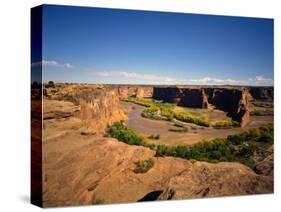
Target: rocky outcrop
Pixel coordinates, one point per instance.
(212, 180)
(98, 106)
(233, 101)
(266, 165)
(139, 91)
(54, 109)
(100, 172)
(262, 93)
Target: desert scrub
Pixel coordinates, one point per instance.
(142, 102)
(190, 119)
(122, 133)
(142, 166)
(154, 136)
(225, 124)
(240, 148)
(98, 201)
(165, 111)
(119, 131)
(180, 130)
(262, 134)
(212, 151)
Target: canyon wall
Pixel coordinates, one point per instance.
(99, 106)
(262, 93)
(235, 102)
(139, 91)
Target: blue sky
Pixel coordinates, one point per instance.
(138, 47)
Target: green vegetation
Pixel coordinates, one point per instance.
(240, 147)
(169, 112)
(226, 124)
(181, 130)
(154, 136)
(212, 151)
(122, 133)
(142, 166)
(98, 202)
(190, 119)
(127, 135)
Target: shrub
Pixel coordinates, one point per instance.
(150, 146)
(163, 150)
(142, 166)
(127, 135)
(182, 152)
(190, 119)
(158, 110)
(226, 124)
(155, 137)
(184, 129)
(246, 150)
(98, 202)
(238, 148)
(262, 134)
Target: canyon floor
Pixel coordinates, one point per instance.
(147, 127)
(82, 167)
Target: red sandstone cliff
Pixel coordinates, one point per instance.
(99, 106)
(231, 100)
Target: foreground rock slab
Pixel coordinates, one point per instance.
(102, 171)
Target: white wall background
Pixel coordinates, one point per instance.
(14, 101)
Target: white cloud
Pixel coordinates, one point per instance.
(52, 63)
(258, 80)
(262, 79)
(210, 80)
(133, 75)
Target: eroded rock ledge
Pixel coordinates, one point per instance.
(98, 106)
(101, 172)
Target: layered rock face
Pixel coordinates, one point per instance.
(139, 91)
(99, 107)
(233, 101)
(262, 93)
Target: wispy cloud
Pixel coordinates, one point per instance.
(52, 63)
(156, 79)
(258, 80)
(211, 80)
(261, 80)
